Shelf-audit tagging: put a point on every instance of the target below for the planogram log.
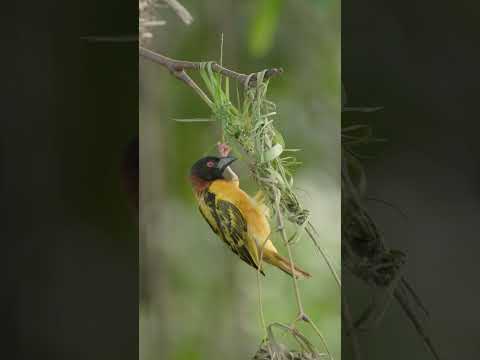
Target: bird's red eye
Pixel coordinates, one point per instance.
(210, 164)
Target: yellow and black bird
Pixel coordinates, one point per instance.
(239, 220)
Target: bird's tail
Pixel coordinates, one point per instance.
(284, 264)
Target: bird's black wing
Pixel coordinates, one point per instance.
(228, 222)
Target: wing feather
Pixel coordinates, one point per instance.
(209, 219)
(228, 223)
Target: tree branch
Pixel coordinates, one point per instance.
(178, 66)
(180, 10)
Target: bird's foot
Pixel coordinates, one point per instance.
(223, 149)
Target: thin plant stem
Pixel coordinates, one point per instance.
(324, 254)
(259, 288)
(418, 326)
(221, 50)
(320, 335)
(301, 313)
(221, 81)
(281, 228)
(350, 329)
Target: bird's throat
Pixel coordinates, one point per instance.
(199, 185)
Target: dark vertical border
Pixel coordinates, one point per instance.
(69, 229)
(419, 60)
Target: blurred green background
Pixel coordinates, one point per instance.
(198, 301)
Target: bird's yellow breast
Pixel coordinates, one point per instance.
(257, 222)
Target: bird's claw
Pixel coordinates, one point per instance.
(223, 149)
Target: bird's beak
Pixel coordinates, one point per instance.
(224, 162)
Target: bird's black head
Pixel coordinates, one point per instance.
(211, 168)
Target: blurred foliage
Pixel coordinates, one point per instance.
(199, 301)
(264, 27)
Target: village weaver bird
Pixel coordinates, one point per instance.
(239, 220)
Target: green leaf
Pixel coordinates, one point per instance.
(263, 27)
(278, 138)
(272, 153)
(207, 80)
